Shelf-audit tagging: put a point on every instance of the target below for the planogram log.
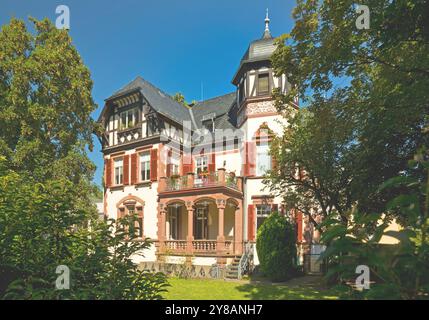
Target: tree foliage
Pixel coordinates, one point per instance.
(47, 217)
(365, 110)
(365, 104)
(276, 246)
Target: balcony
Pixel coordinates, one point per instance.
(202, 247)
(191, 181)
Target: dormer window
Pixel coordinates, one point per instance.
(263, 84)
(128, 118)
(209, 125)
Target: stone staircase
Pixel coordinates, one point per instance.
(232, 271)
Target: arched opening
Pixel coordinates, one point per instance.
(205, 219)
(176, 223)
(130, 206)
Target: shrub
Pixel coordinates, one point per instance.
(276, 246)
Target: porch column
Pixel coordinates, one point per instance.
(190, 236)
(238, 229)
(162, 212)
(221, 216)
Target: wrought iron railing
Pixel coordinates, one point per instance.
(206, 180)
(246, 261)
(177, 183)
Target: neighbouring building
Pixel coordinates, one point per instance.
(193, 174)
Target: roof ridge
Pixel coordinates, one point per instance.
(217, 97)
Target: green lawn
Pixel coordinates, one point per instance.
(300, 288)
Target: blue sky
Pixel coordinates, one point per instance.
(175, 44)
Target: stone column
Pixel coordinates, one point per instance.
(162, 212)
(238, 229)
(190, 180)
(221, 225)
(221, 176)
(190, 235)
(162, 186)
(220, 245)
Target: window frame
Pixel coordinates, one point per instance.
(267, 157)
(259, 76)
(147, 170)
(266, 212)
(132, 116)
(121, 173)
(201, 166)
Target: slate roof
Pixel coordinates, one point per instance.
(160, 101)
(219, 107)
(261, 49)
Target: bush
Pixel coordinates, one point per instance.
(276, 246)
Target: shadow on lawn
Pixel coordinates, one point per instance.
(295, 289)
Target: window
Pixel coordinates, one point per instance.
(119, 171)
(209, 125)
(201, 223)
(263, 159)
(145, 166)
(201, 165)
(129, 118)
(174, 166)
(241, 92)
(263, 85)
(137, 228)
(173, 222)
(262, 212)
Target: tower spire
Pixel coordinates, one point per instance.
(267, 33)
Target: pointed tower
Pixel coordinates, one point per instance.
(254, 78)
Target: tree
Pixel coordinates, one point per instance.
(365, 116)
(46, 214)
(367, 104)
(276, 248)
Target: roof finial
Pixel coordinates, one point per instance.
(267, 33)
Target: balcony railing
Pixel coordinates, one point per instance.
(204, 246)
(191, 181)
(176, 183)
(176, 245)
(210, 247)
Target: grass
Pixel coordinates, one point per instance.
(205, 289)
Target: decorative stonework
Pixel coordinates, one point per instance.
(261, 107)
(185, 271)
(256, 108)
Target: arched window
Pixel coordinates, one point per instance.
(132, 206)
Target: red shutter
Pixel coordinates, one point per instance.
(187, 167)
(299, 226)
(275, 207)
(212, 163)
(169, 165)
(134, 168)
(126, 170)
(108, 173)
(251, 222)
(153, 164)
(249, 167)
(274, 163)
(251, 157)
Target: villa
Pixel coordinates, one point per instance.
(193, 173)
